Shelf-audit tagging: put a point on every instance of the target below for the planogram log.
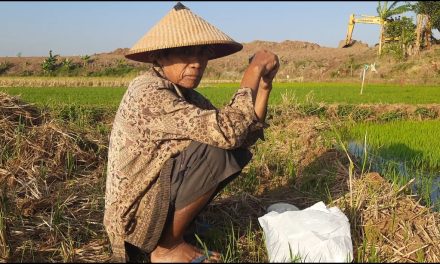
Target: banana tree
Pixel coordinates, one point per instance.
(385, 12)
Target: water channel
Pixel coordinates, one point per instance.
(425, 182)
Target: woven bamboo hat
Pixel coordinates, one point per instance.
(180, 28)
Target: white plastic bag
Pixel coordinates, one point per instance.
(315, 234)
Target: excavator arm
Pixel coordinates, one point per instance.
(349, 31)
(362, 19)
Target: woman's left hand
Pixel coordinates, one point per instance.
(266, 80)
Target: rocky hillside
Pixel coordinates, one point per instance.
(300, 61)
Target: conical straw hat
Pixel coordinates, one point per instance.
(179, 28)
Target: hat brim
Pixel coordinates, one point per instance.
(219, 50)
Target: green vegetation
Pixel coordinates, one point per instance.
(220, 94)
(430, 8)
(49, 64)
(335, 93)
(409, 141)
(403, 30)
(5, 66)
(401, 151)
(67, 67)
(84, 96)
(296, 163)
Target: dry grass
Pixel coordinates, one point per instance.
(389, 225)
(52, 183)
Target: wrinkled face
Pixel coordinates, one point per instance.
(185, 66)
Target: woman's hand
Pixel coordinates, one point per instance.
(266, 80)
(260, 72)
(265, 62)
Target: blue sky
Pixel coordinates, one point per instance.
(78, 28)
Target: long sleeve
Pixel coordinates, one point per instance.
(255, 130)
(168, 116)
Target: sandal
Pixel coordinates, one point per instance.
(202, 258)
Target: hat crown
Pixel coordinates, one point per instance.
(180, 6)
(178, 28)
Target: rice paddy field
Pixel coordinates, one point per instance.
(55, 139)
(220, 94)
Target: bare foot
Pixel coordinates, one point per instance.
(183, 252)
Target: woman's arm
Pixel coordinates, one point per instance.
(264, 89)
(258, 76)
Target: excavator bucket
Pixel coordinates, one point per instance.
(343, 44)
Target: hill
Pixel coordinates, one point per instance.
(300, 61)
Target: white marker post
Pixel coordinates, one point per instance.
(363, 77)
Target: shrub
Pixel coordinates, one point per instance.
(344, 110)
(49, 64)
(392, 116)
(425, 113)
(5, 66)
(361, 114)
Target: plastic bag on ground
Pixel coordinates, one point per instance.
(315, 234)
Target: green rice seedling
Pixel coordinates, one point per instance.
(365, 156)
(413, 142)
(69, 113)
(404, 148)
(421, 256)
(56, 217)
(20, 128)
(70, 164)
(220, 94)
(341, 92)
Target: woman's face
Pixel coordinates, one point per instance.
(185, 66)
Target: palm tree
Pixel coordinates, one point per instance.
(386, 13)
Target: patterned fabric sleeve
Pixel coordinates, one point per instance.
(169, 116)
(256, 131)
(256, 128)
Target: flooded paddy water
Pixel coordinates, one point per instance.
(426, 182)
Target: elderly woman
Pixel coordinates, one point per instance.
(171, 151)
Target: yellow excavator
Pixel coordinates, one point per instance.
(365, 20)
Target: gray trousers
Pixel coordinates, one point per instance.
(201, 167)
(195, 171)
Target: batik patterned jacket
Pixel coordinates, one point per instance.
(154, 122)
